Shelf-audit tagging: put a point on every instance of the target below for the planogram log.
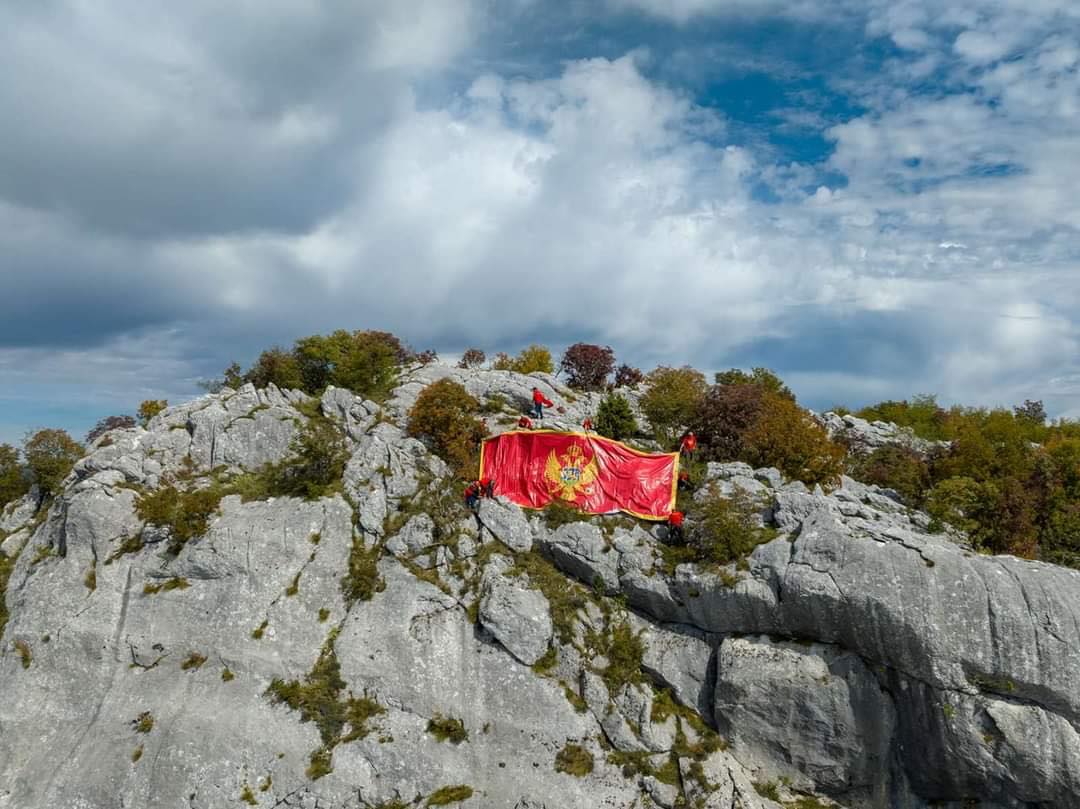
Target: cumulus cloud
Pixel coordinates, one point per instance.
(233, 178)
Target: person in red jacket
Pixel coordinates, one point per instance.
(675, 528)
(587, 425)
(539, 403)
(487, 487)
(525, 423)
(472, 496)
(688, 444)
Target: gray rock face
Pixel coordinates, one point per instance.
(17, 514)
(519, 618)
(855, 655)
(508, 523)
(810, 714)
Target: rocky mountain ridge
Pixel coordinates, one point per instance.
(377, 646)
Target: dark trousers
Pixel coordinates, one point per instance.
(674, 535)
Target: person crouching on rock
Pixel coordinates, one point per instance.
(675, 528)
(525, 423)
(487, 487)
(539, 403)
(472, 496)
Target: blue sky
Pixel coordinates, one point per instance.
(874, 198)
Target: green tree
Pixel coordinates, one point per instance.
(50, 454)
(614, 418)
(671, 400)
(534, 359)
(13, 480)
(445, 414)
(365, 362)
(315, 467)
(726, 529)
(762, 377)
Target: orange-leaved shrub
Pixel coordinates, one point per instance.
(445, 414)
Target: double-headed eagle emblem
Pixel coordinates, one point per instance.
(570, 473)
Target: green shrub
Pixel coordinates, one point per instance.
(574, 760)
(447, 729)
(895, 467)
(6, 567)
(49, 455)
(321, 698)
(622, 648)
(150, 408)
(13, 480)
(614, 418)
(726, 528)
(767, 789)
(185, 514)
(107, 424)
(445, 414)
(314, 469)
(671, 401)
(448, 795)
(362, 580)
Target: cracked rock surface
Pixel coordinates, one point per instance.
(857, 658)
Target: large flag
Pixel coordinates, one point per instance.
(593, 474)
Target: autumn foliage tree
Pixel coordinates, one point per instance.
(446, 416)
(587, 366)
(626, 376)
(472, 358)
(109, 423)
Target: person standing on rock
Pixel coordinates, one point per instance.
(688, 445)
(539, 403)
(675, 528)
(587, 425)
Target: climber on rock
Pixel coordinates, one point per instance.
(587, 425)
(539, 402)
(525, 423)
(675, 528)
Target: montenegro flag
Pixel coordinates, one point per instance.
(593, 474)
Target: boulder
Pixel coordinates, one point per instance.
(518, 617)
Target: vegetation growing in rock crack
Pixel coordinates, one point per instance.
(193, 662)
(724, 529)
(7, 565)
(450, 794)
(362, 580)
(321, 697)
(143, 723)
(175, 583)
(26, 654)
(574, 760)
(622, 648)
(447, 729)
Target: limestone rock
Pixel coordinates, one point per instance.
(507, 523)
(518, 617)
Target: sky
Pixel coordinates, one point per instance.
(875, 199)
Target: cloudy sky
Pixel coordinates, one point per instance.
(874, 197)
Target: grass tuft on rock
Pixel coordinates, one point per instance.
(247, 796)
(26, 654)
(175, 583)
(143, 723)
(321, 698)
(362, 581)
(574, 760)
(447, 795)
(193, 662)
(447, 729)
